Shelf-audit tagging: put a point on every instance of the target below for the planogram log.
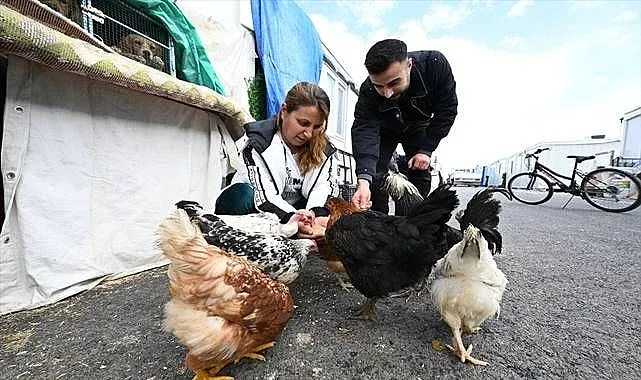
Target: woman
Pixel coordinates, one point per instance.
(289, 164)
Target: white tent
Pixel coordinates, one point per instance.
(90, 168)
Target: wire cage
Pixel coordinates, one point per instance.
(68, 8)
(130, 32)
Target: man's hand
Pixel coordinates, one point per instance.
(420, 161)
(362, 195)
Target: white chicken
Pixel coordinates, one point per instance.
(261, 222)
(466, 284)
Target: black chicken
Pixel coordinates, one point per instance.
(479, 208)
(384, 253)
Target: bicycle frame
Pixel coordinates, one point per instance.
(573, 188)
(608, 189)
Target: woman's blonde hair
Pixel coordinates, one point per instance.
(306, 94)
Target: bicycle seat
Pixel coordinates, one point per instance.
(581, 158)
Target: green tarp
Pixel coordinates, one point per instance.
(192, 63)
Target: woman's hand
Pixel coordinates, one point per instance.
(322, 221)
(305, 217)
(316, 231)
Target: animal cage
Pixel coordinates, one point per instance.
(130, 32)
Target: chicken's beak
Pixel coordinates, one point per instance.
(330, 203)
(471, 239)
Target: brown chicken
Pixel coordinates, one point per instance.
(222, 308)
(334, 264)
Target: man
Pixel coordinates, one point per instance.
(408, 98)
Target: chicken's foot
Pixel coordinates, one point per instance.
(346, 285)
(367, 311)
(461, 352)
(404, 293)
(255, 353)
(202, 374)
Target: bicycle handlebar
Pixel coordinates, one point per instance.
(533, 154)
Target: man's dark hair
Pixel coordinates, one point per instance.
(383, 53)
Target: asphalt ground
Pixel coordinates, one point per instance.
(571, 310)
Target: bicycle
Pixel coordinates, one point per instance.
(607, 189)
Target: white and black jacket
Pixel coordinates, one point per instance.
(265, 167)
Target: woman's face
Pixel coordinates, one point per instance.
(299, 126)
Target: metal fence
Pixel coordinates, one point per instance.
(628, 162)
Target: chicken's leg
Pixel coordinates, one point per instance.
(202, 374)
(345, 284)
(458, 348)
(339, 271)
(255, 352)
(366, 311)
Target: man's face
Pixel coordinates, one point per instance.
(392, 82)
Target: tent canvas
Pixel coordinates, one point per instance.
(89, 170)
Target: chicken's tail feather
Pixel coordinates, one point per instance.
(181, 241)
(192, 208)
(405, 195)
(482, 212)
(439, 206)
(211, 226)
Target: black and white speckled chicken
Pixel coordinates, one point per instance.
(279, 257)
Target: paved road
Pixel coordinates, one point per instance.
(571, 310)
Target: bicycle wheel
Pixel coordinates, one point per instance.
(530, 188)
(611, 190)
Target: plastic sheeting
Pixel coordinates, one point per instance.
(192, 63)
(89, 171)
(228, 44)
(288, 46)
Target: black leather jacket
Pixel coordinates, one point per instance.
(430, 101)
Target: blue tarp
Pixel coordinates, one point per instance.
(288, 46)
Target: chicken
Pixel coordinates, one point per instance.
(480, 209)
(466, 284)
(334, 264)
(402, 192)
(221, 307)
(399, 164)
(263, 222)
(406, 196)
(384, 253)
(277, 256)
